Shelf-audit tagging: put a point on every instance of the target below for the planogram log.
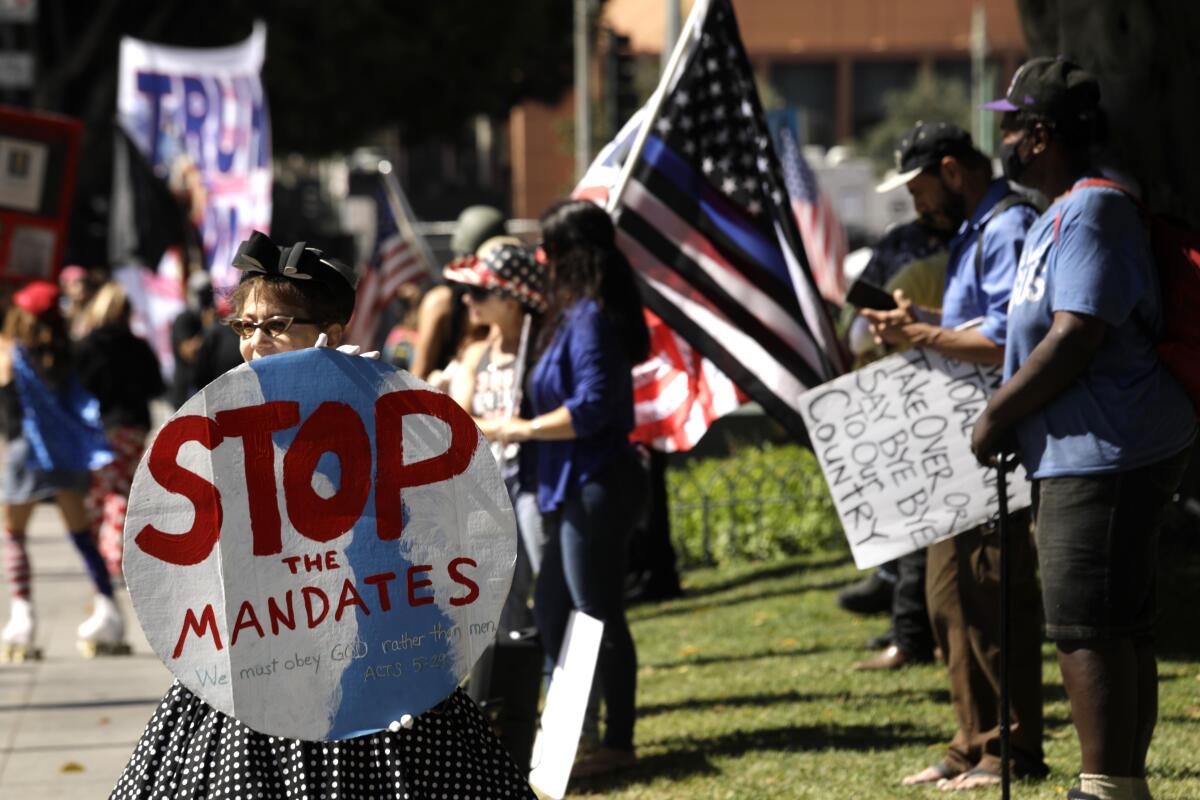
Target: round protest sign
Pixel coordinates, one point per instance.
(318, 544)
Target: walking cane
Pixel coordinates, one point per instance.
(1004, 463)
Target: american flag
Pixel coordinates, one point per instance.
(394, 262)
(677, 393)
(822, 231)
(706, 221)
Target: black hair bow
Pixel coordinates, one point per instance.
(297, 261)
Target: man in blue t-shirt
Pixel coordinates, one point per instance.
(951, 182)
(1102, 427)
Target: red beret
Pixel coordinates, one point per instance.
(72, 272)
(37, 297)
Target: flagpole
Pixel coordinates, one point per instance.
(699, 11)
(403, 215)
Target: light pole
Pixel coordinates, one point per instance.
(583, 89)
(670, 30)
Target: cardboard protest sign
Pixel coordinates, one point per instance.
(318, 544)
(894, 442)
(200, 118)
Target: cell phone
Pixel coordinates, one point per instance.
(867, 295)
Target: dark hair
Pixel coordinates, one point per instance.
(579, 240)
(45, 337)
(313, 299)
(974, 161)
(459, 328)
(970, 158)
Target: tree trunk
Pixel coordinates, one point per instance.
(1145, 56)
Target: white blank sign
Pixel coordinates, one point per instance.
(566, 704)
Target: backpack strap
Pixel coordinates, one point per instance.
(1098, 183)
(1143, 212)
(1004, 204)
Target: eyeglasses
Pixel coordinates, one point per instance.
(272, 326)
(478, 293)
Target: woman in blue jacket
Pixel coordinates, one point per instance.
(589, 480)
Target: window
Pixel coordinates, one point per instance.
(873, 80)
(810, 89)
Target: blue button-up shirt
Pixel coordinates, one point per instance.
(972, 293)
(586, 370)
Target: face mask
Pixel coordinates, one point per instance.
(1010, 160)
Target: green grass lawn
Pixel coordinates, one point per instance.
(745, 691)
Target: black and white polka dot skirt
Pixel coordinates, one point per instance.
(190, 751)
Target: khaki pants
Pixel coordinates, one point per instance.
(963, 591)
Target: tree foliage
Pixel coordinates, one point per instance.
(929, 99)
(426, 67)
(335, 71)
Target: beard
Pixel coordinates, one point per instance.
(949, 218)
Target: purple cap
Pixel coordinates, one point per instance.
(1053, 87)
(999, 105)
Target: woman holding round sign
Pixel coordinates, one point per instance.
(318, 548)
(591, 485)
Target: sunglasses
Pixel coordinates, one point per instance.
(478, 293)
(272, 326)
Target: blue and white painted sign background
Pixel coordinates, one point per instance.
(318, 544)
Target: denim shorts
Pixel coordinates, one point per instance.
(1097, 539)
(25, 483)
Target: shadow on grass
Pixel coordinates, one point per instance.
(766, 573)
(694, 756)
(728, 658)
(679, 608)
(935, 696)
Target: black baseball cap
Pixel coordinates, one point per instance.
(924, 147)
(1055, 88)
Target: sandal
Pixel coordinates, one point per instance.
(936, 773)
(974, 778)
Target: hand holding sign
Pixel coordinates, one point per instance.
(348, 349)
(319, 545)
(893, 440)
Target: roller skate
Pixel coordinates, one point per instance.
(16, 640)
(103, 633)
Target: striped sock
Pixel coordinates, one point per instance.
(16, 564)
(94, 562)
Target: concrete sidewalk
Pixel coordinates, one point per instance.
(68, 725)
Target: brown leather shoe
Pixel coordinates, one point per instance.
(603, 760)
(891, 658)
